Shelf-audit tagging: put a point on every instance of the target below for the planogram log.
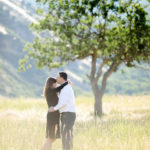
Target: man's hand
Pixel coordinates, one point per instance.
(51, 109)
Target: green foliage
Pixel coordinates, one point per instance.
(113, 32)
(116, 30)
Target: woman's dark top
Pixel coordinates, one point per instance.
(52, 127)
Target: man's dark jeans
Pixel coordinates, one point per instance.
(67, 123)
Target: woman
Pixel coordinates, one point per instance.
(52, 127)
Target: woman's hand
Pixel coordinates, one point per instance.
(71, 83)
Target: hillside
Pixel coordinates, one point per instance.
(15, 17)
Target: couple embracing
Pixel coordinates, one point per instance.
(61, 114)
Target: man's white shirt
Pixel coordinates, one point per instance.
(66, 101)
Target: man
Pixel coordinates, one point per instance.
(66, 107)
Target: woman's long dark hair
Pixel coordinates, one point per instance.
(49, 82)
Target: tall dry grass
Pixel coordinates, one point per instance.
(125, 124)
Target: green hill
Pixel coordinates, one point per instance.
(15, 17)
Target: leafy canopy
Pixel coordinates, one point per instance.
(75, 29)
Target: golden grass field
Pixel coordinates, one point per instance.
(124, 126)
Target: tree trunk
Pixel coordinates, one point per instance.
(98, 108)
(94, 78)
(98, 96)
(98, 99)
(98, 93)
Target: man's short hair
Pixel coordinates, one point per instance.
(63, 75)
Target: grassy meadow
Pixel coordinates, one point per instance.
(125, 124)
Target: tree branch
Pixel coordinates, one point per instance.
(82, 57)
(100, 70)
(93, 64)
(113, 66)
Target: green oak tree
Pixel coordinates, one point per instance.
(109, 32)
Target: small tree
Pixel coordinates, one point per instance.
(109, 32)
